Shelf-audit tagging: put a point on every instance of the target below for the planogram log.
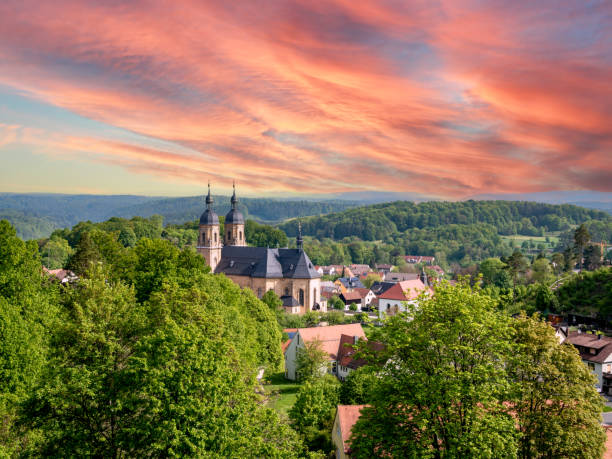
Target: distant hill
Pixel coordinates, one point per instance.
(592, 199)
(380, 221)
(37, 215)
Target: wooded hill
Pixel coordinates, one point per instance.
(380, 221)
(37, 215)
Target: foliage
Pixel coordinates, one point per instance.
(259, 235)
(359, 386)
(55, 253)
(311, 361)
(455, 374)
(587, 292)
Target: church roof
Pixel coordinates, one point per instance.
(266, 263)
(209, 218)
(234, 216)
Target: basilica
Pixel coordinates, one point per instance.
(287, 272)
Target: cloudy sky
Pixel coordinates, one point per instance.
(446, 98)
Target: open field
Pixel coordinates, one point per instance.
(281, 391)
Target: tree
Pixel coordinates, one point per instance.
(370, 279)
(441, 394)
(581, 239)
(311, 360)
(552, 392)
(85, 255)
(516, 265)
(273, 301)
(457, 373)
(167, 377)
(359, 385)
(55, 253)
(313, 412)
(593, 257)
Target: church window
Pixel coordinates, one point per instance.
(314, 295)
(229, 235)
(215, 237)
(301, 297)
(286, 290)
(240, 235)
(259, 292)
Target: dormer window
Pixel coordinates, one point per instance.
(231, 263)
(592, 351)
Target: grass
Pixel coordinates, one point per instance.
(282, 392)
(607, 409)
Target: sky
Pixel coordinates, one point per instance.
(444, 98)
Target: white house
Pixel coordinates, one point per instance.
(329, 338)
(394, 299)
(596, 352)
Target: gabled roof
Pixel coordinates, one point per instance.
(346, 352)
(379, 288)
(362, 291)
(603, 346)
(351, 296)
(266, 263)
(347, 417)
(330, 336)
(352, 282)
(404, 291)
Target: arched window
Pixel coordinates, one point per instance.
(215, 237)
(301, 297)
(314, 295)
(240, 235)
(286, 290)
(229, 235)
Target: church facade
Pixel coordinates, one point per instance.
(287, 272)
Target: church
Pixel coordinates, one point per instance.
(287, 272)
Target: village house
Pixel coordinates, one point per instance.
(62, 275)
(416, 259)
(346, 417)
(352, 297)
(367, 297)
(360, 270)
(329, 337)
(400, 277)
(384, 267)
(395, 299)
(596, 353)
(346, 355)
(347, 284)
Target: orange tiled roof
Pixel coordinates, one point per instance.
(347, 417)
(330, 336)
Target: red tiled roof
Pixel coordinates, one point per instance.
(346, 352)
(362, 291)
(405, 290)
(354, 295)
(347, 417)
(330, 336)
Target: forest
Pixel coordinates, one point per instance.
(37, 215)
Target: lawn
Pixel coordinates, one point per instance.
(282, 392)
(607, 409)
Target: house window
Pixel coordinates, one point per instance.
(593, 351)
(286, 290)
(259, 292)
(334, 367)
(591, 366)
(240, 235)
(301, 297)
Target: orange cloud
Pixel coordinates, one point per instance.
(451, 100)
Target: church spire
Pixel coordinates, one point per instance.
(298, 240)
(209, 199)
(234, 199)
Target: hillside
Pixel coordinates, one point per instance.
(37, 215)
(381, 221)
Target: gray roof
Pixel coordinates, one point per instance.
(353, 282)
(267, 263)
(209, 218)
(234, 216)
(288, 300)
(381, 287)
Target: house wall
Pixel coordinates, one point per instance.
(291, 358)
(337, 439)
(343, 372)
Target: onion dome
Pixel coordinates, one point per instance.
(209, 217)
(234, 215)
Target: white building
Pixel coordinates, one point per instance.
(329, 337)
(596, 352)
(395, 299)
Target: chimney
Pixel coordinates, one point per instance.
(599, 335)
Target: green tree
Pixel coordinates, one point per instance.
(273, 301)
(441, 395)
(311, 361)
(359, 386)
(55, 253)
(581, 239)
(85, 255)
(553, 398)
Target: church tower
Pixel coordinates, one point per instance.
(209, 239)
(234, 225)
